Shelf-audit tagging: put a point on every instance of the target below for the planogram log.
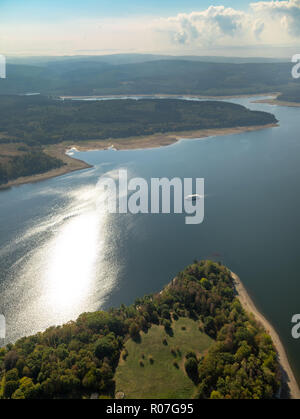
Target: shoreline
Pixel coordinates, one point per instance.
(72, 164)
(166, 95)
(274, 101)
(162, 140)
(249, 306)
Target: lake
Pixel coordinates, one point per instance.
(61, 255)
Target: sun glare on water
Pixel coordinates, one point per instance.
(68, 270)
(71, 262)
(74, 256)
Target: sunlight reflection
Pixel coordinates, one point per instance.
(68, 268)
(71, 265)
(75, 254)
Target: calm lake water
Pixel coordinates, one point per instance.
(61, 255)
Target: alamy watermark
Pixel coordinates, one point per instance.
(2, 327)
(296, 327)
(2, 67)
(296, 68)
(120, 195)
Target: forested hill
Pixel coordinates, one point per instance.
(177, 76)
(290, 94)
(235, 358)
(28, 124)
(27, 164)
(41, 120)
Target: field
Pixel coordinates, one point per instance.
(160, 378)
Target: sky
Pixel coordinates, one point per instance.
(178, 27)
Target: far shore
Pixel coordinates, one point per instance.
(132, 143)
(274, 101)
(279, 103)
(288, 377)
(165, 95)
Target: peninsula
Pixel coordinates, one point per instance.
(200, 337)
(37, 130)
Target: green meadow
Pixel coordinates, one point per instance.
(154, 366)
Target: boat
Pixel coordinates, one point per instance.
(193, 198)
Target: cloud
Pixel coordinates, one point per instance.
(266, 22)
(258, 28)
(284, 13)
(216, 29)
(204, 27)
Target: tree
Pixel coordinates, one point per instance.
(205, 283)
(243, 352)
(209, 326)
(167, 325)
(105, 347)
(134, 330)
(29, 389)
(10, 359)
(216, 395)
(165, 314)
(9, 388)
(191, 368)
(191, 354)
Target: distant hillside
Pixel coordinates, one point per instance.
(91, 76)
(192, 340)
(290, 94)
(118, 59)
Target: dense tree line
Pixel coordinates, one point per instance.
(27, 164)
(38, 121)
(291, 93)
(176, 76)
(80, 357)
(41, 120)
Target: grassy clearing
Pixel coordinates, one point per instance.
(149, 370)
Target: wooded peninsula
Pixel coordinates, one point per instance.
(33, 127)
(191, 340)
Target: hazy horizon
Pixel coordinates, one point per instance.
(232, 28)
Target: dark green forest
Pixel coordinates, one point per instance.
(41, 120)
(31, 163)
(80, 357)
(38, 121)
(145, 75)
(290, 94)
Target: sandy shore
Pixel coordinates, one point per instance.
(249, 306)
(279, 103)
(173, 96)
(160, 140)
(132, 143)
(274, 101)
(71, 165)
